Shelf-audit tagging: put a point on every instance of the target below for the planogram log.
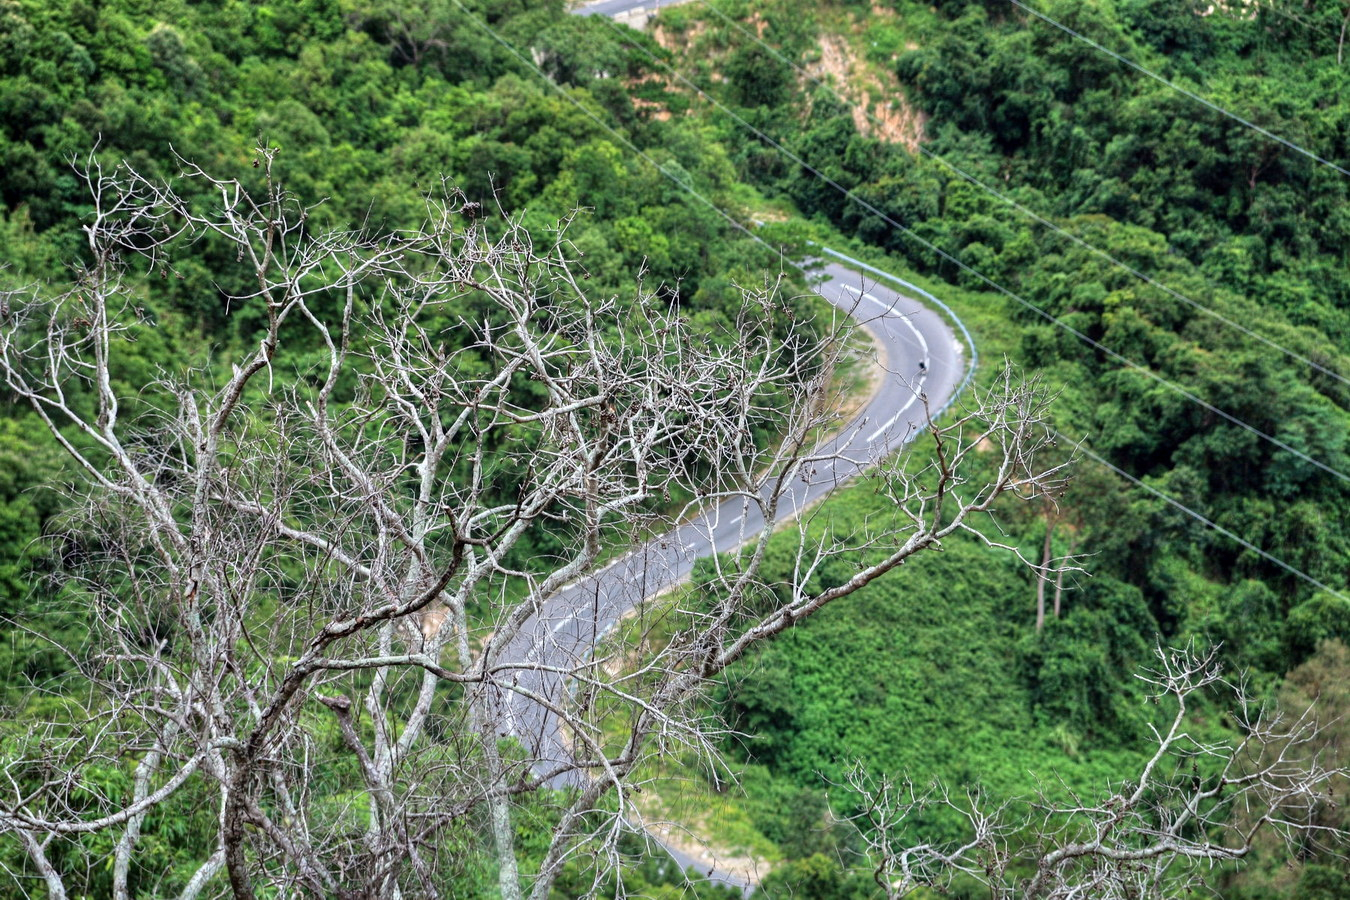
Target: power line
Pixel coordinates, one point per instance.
(1214, 525)
(1196, 515)
(1178, 88)
(850, 195)
(1311, 26)
(623, 139)
(1076, 239)
(1030, 213)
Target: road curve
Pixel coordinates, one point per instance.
(920, 356)
(625, 10)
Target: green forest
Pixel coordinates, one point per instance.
(1141, 201)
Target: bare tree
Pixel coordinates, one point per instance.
(1196, 804)
(1059, 510)
(338, 594)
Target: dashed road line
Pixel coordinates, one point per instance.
(890, 307)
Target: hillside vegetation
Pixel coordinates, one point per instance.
(1218, 380)
(368, 110)
(969, 110)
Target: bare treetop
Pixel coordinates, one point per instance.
(319, 573)
(1195, 804)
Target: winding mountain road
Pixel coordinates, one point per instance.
(919, 355)
(630, 12)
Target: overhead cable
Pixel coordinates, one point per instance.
(1178, 88)
(1032, 214)
(1210, 523)
(929, 245)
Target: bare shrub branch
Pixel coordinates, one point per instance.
(1197, 803)
(342, 589)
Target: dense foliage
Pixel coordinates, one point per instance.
(1020, 117)
(371, 102)
(370, 105)
(366, 107)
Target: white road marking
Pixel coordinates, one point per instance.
(899, 315)
(922, 378)
(891, 421)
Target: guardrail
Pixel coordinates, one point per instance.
(677, 856)
(951, 314)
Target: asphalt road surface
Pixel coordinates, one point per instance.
(622, 8)
(920, 355)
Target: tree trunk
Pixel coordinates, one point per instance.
(1340, 45)
(1042, 576)
(1059, 582)
(499, 810)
